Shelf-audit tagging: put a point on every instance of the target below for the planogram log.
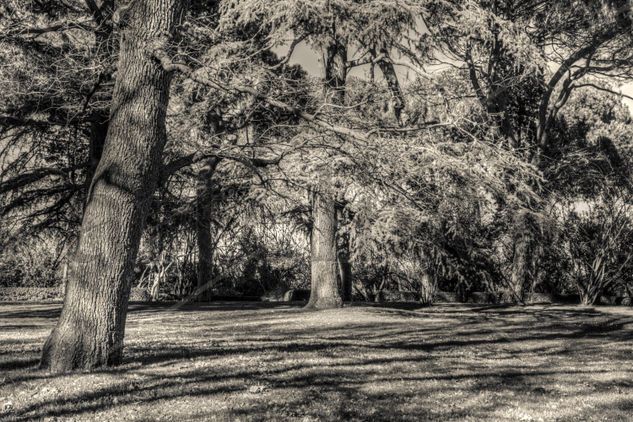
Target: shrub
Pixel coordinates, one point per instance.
(31, 294)
(36, 263)
(600, 239)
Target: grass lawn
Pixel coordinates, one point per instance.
(245, 361)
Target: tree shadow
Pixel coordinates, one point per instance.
(363, 363)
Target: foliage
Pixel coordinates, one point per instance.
(599, 239)
(34, 263)
(509, 117)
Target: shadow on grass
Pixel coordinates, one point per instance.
(367, 368)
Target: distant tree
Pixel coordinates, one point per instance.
(369, 31)
(230, 128)
(525, 58)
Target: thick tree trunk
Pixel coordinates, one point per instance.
(324, 292)
(525, 256)
(204, 214)
(427, 288)
(90, 331)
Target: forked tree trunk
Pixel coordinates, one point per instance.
(324, 292)
(90, 330)
(98, 133)
(105, 50)
(204, 214)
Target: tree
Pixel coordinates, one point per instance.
(523, 68)
(60, 60)
(90, 331)
(525, 58)
(365, 30)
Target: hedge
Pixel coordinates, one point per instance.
(53, 294)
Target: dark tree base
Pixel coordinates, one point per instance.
(68, 353)
(325, 303)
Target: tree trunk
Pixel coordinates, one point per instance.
(389, 73)
(105, 52)
(204, 214)
(98, 133)
(345, 269)
(521, 269)
(343, 255)
(324, 292)
(427, 288)
(90, 330)
(525, 256)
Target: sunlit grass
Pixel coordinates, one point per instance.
(252, 362)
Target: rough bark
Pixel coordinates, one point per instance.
(324, 292)
(519, 270)
(522, 273)
(427, 288)
(335, 72)
(90, 330)
(204, 215)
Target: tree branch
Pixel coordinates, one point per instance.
(170, 66)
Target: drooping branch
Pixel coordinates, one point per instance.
(603, 89)
(60, 26)
(312, 119)
(33, 176)
(170, 66)
(13, 121)
(187, 160)
(366, 60)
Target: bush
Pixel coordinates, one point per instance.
(35, 263)
(445, 297)
(140, 295)
(600, 240)
(31, 294)
(54, 294)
